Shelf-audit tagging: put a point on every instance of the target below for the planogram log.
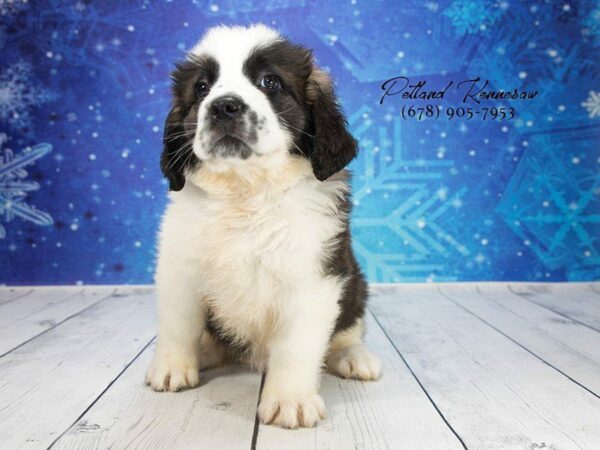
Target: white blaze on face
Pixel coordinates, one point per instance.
(231, 47)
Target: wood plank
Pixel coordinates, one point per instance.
(576, 301)
(47, 383)
(42, 310)
(219, 414)
(392, 412)
(494, 393)
(9, 294)
(568, 346)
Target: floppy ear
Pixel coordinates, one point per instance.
(333, 145)
(171, 160)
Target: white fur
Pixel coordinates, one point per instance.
(247, 240)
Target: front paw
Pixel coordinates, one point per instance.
(171, 372)
(291, 411)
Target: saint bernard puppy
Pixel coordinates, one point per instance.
(255, 263)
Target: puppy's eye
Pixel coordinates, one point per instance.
(202, 88)
(270, 82)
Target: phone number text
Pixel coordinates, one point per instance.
(450, 113)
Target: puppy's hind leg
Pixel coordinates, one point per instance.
(348, 357)
(212, 353)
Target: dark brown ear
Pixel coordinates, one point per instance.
(172, 160)
(333, 145)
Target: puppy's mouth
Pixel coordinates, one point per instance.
(230, 146)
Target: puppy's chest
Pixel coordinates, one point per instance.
(256, 253)
(258, 240)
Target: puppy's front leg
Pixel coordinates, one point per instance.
(290, 395)
(180, 327)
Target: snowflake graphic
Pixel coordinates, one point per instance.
(18, 94)
(421, 246)
(14, 187)
(552, 204)
(473, 16)
(12, 6)
(592, 104)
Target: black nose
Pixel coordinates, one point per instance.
(226, 107)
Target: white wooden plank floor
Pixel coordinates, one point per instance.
(464, 366)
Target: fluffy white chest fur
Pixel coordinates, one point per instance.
(248, 246)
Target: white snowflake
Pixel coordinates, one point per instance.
(432, 6)
(14, 187)
(592, 104)
(18, 94)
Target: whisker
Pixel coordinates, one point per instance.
(174, 136)
(181, 152)
(299, 149)
(181, 157)
(283, 112)
(286, 124)
(174, 160)
(189, 158)
(184, 123)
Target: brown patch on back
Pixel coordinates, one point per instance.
(342, 262)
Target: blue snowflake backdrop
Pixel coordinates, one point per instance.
(84, 90)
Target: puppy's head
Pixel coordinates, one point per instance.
(247, 96)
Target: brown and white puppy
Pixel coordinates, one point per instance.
(255, 263)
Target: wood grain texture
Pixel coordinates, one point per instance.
(42, 310)
(578, 301)
(392, 412)
(9, 294)
(500, 364)
(47, 383)
(494, 393)
(568, 346)
(220, 414)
